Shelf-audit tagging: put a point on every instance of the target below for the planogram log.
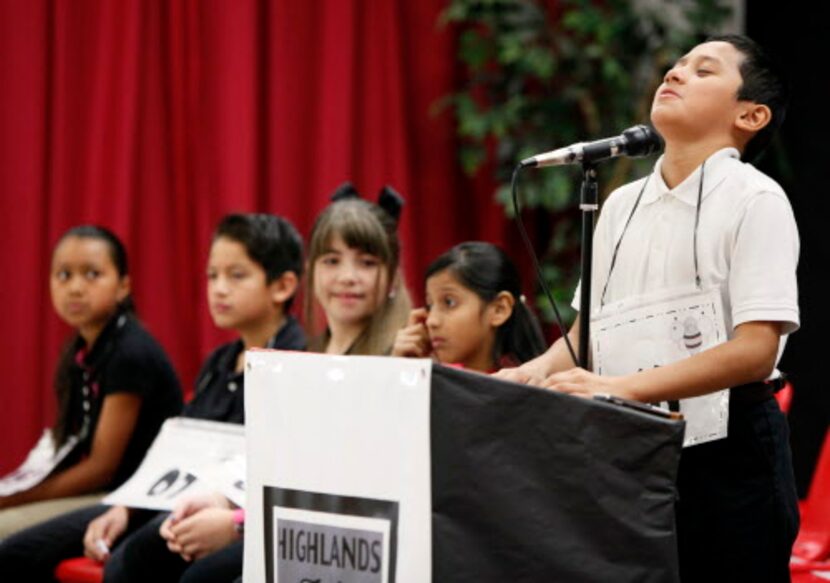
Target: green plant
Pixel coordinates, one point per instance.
(539, 79)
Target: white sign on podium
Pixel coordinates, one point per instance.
(338, 469)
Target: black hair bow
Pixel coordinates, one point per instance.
(344, 192)
(389, 199)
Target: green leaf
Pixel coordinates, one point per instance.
(539, 62)
(474, 50)
(472, 157)
(472, 123)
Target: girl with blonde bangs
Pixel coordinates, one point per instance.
(354, 274)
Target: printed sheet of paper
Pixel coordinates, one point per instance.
(227, 478)
(38, 465)
(189, 456)
(661, 333)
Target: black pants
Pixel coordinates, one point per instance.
(31, 555)
(737, 513)
(223, 566)
(144, 556)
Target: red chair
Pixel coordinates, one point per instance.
(811, 551)
(785, 397)
(80, 570)
(810, 572)
(808, 577)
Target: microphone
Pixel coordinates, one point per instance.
(635, 142)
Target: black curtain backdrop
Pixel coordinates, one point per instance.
(799, 164)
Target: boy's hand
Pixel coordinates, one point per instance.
(166, 532)
(200, 534)
(580, 382)
(524, 375)
(185, 508)
(413, 339)
(102, 532)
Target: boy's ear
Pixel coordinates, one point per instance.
(500, 308)
(753, 117)
(284, 287)
(124, 287)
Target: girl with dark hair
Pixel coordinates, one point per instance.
(253, 270)
(114, 383)
(475, 315)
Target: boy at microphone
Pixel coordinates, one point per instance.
(705, 226)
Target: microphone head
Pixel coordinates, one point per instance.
(642, 140)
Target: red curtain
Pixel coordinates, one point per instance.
(156, 118)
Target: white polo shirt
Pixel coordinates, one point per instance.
(747, 242)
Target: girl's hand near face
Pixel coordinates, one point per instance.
(413, 339)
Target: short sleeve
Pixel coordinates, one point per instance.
(762, 278)
(134, 366)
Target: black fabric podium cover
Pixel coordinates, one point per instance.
(529, 485)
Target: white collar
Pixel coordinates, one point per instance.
(717, 167)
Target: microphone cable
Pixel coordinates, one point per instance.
(517, 216)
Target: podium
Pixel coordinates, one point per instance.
(364, 469)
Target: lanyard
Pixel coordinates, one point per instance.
(628, 222)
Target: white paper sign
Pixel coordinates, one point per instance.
(338, 469)
(189, 456)
(660, 333)
(38, 465)
(227, 477)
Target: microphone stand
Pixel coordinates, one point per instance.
(635, 142)
(589, 205)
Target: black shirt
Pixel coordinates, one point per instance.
(124, 359)
(220, 390)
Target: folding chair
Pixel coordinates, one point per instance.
(80, 570)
